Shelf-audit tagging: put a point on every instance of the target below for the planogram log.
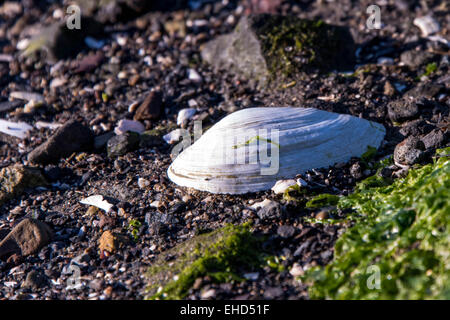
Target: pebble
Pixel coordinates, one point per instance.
(27, 96)
(194, 75)
(173, 136)
(409, 151)
(72, 137)
(151, 108)
(143, 183)
(26, 238)
(296, 270)
(16, 178)
(35, 280)
(267, 209)
(434, 139)
(286, 231)
(122, 144)
(401, 110)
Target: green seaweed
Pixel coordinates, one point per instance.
(322, 200)
(255, 138)
(399, 247)
(221, 255)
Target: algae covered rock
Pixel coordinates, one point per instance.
(15, 179)
(221, 255)
(263, 47)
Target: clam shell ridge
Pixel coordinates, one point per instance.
(284, 141)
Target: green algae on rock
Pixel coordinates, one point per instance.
(265, 47)
(401, 238)
(221, 254)
(15, 179)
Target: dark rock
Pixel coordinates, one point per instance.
(386, 172)
(401, 110)
(151, 108)
(122, 144)
(434, 139)
(286, 231)
(71, 137)
(304, 246)
(60, 42)
(26, 238)
(151, 139)
(415, 59)
(35, 280)
(425, 90)
(266, 46)
(9, 105)
(415, 128)
(15, 179)
(409, 151)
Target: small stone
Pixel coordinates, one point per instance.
(16, 178)
(282, 185)
(389, 89)
(401, 110)
(143, 183)
(71, 137)
(151, 108)
(409, 151)
(122, 144)
(109, 242)
(296, 270)
(414, 59)
(26, 238)
(35, 280)
(27, 96)
(322, 215)
(434, 139)
(273, 293)
(267, 209)
(286, 231)
(356, 171)
(211, 293)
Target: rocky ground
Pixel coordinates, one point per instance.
(144, 62)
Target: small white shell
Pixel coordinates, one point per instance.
(15, 129)
(427, 24)
(125, 125)
(233, 156)
(184, 115)
(281, 185)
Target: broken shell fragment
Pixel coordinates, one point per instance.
(251, 149)
(427, 24)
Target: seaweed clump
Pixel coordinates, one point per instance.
(222, 255)
(399, 245)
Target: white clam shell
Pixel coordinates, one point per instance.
(249, 150)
